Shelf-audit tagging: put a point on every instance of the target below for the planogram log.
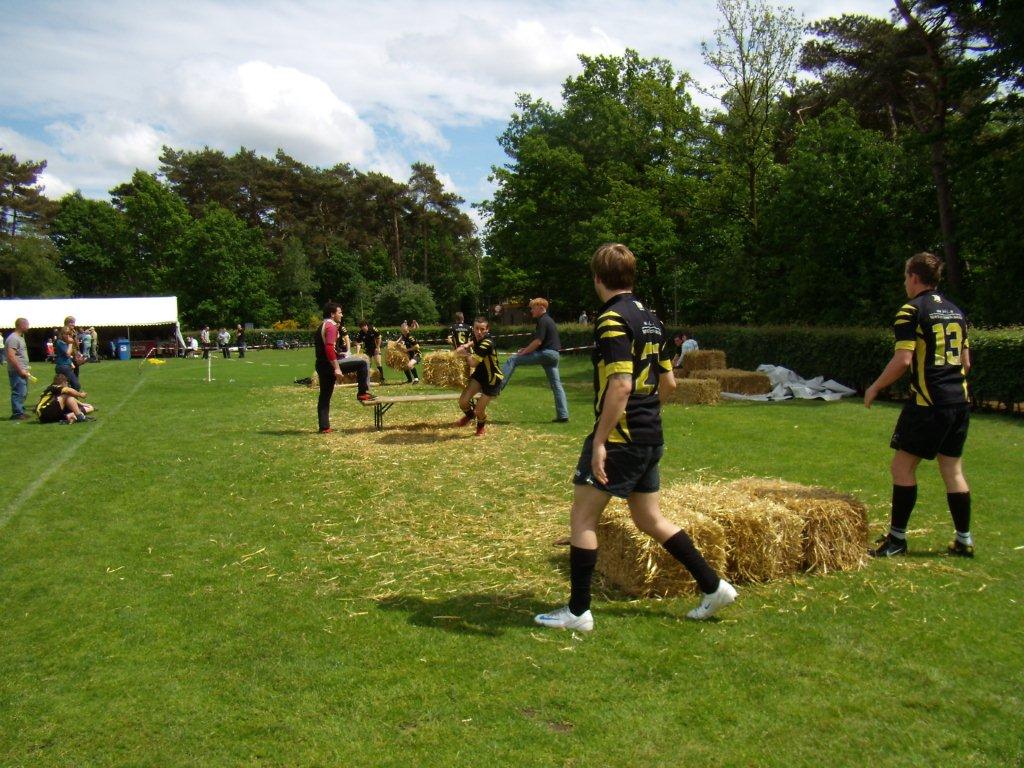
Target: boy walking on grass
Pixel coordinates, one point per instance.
(931, 340)
(632, 368)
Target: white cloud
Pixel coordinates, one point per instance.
(53, 187)
(110, 140)
(512, 53)
(266, 107)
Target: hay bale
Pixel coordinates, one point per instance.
(737, 381)
(696, 392)
(835, 525)
(445, 369)
(396, 356)
(763, 537)
(636, 564)
(702, 360)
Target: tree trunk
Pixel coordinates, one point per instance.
(944, 197)
(397, 265)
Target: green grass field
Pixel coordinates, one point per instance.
(198, 578)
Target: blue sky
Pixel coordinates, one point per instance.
(96, 88)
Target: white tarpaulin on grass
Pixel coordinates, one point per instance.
(50, 313)
(787, 385)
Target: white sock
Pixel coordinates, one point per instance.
(965, 538)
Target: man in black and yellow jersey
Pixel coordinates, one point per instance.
(412, 346)
(931, 340)
(459, 333)
(632, 371)
(486, 378)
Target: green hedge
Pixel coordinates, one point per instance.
(855, 356)
(851, 356)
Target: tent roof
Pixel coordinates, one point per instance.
(42, 313)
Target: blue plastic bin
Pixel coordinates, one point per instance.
(124, 349)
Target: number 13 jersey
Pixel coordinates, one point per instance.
(935, 330)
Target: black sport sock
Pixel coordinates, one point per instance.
(960, 509)
(581, 570)
(415, 373)
(408, 376)
(680, 546)
(904, 497)
(380, 373)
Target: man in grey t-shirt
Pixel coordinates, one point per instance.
(543, 351)
(16, 355)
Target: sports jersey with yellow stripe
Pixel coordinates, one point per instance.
(629, 339)
(935, 330)
(487, 371)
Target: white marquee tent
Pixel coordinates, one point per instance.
(121, 313)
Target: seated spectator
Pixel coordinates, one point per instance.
(191, 346)
(60, 403)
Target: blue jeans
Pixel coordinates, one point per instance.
(19, 389)
(548, 358)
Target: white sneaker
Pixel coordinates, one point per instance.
(415, 381)
(563, 618)
(711, 604)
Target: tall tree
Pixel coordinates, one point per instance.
(754, 52)
(222, 273)
(618, 161)
(96, 245)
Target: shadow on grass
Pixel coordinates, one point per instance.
(286, 432)
(480, 614)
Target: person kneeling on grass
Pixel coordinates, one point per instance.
(633, 369)
(486, 378)
(62, 404)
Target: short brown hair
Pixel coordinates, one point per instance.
(927, 266)
(539, 302)
(614, 265)
(481, 320)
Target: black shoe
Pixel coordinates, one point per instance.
(959, 549)
(560, 420)
(889, 545)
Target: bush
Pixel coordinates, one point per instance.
(405, 300)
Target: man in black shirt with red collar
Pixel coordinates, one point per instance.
(931, 340)
(632, 362)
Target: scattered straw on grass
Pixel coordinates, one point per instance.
(396, 356)
(703, 360)
(835, 525)
(445, 369)
(696, 392)
(636, 564)
(738, 382)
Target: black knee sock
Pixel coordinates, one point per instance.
(415, 374)
(904, 497)
(681, 548)
(380, 373)
(581, 570)
(960, 509)
(408, 376)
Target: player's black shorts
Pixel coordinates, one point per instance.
(480, 377)
(52, 413)
(630, 468)
(927, 431)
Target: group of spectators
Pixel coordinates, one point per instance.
(68, 348)
(223, 338)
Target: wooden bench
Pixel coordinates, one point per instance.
(382, 405)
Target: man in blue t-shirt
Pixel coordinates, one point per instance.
(543, 351)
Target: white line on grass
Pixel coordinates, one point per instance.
(28, 493)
